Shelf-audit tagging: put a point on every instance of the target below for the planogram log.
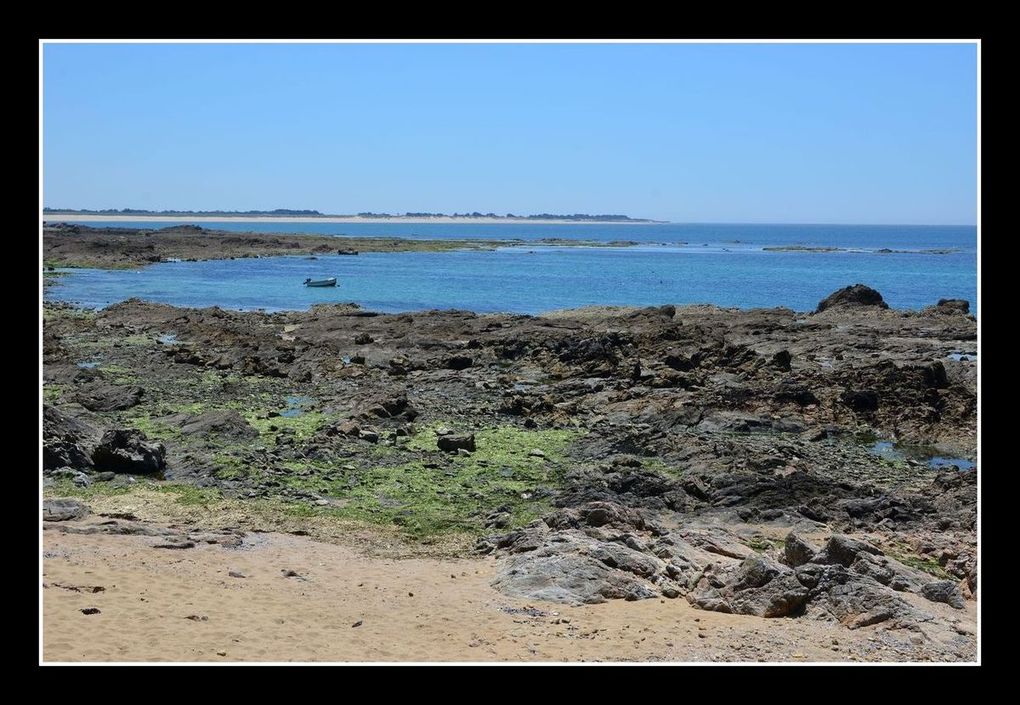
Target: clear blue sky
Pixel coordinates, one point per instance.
(693, 133)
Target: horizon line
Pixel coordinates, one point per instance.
(649, 221)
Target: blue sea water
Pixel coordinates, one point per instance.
(675, 263)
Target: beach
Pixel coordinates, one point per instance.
(159, 606)
(86, 218)
(724, 484)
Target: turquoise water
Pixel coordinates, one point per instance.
(712, 267)
(723, 234)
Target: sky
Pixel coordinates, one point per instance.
(844, 133)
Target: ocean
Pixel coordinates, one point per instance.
(722, 264)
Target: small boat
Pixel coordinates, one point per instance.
(321, 282)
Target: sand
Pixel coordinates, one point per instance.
(184, 606)
(55, 217)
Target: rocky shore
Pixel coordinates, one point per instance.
(71, 245)
(811, 468)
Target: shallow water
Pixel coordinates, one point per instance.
(898, 451)
(295, 406)
(535, 279)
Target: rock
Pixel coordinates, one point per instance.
(626, 559)
(67, 442)
(559, 573)
(370, 435)
(536, 453)
(954, 305)
(844, 551)
(781, 360)
(345, 428)
(129, 451)
(452, 442)
(236, 574)
(109, 397)
(64, 509)
(363, 339)
(458, 362)
(498, 520)
(758, 586)
(861, 400)
(856, 295)
(220, 422)
(944, 591)
(797, 551)
(91, 610)
(934, 375)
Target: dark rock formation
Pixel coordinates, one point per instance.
(856, 295)
(128, 451)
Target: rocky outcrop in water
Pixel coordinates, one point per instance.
(856, 295)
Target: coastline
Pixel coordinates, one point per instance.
(69, 217)
(427, 455)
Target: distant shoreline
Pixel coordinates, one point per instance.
(56, 217)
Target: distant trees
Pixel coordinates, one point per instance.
(576, 217)
(142, 211)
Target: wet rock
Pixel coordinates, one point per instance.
(64, 510)
(856, 295)
(129, 451)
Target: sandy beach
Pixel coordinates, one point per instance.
(54, 217)
(343, 606)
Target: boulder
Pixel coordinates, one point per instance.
(758, 586)
(109, 397)
(63, 509)
(797, 551)
(856, 295)
(953, 305)
(567, 569)
(67, 442)
(944, 591)
(220, 422)
(129, 451)
(453, 442)
(781, 360)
